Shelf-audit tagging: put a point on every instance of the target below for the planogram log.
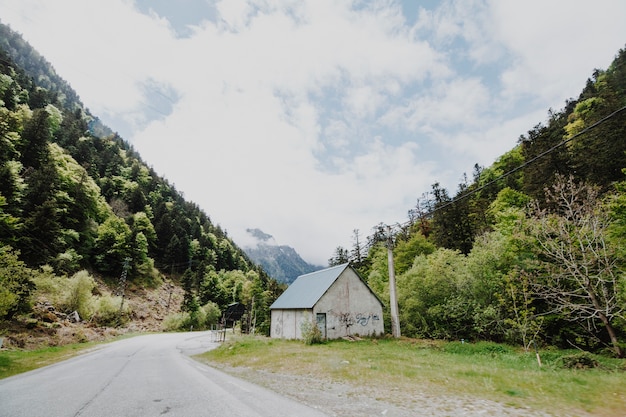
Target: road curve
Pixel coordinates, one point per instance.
(148, 375)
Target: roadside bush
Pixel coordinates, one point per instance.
(50, 286)
(107, 311)
(7, 301)
(78, 296)
(212, 314)
(199, 319)
(16, 284)
(311, 334)
(582, 360)
(174, 322)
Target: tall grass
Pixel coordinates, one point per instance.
(484, 370)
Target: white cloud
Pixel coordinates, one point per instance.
(308, 119)
(456, 102)
(554, 44)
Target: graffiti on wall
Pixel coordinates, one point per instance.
(278, 326)
(349, 319)
(363, 318)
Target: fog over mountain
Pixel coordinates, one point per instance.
(281, 262)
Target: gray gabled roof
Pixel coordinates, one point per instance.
(307, 289)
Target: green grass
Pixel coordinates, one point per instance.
(485, 370)
(13, 362)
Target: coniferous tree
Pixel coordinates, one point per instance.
(540, 141)
(451, 223)
(34, 145)
(341, 256)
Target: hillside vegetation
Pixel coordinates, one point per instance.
(84, 221)
(530, 249)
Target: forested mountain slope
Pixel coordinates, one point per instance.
(76, 197)
(528, 249)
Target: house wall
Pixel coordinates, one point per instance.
(350, 308)
(285, 324)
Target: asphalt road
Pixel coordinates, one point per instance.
(149, 375)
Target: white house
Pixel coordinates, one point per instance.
(336, 298)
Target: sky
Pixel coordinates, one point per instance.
(309, 119)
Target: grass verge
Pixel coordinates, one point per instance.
(13, 362)
(416, 367)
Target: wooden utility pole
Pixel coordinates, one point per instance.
(395, 319)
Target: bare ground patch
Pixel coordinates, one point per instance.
(370, 399)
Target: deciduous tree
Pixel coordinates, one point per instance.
(581, 279)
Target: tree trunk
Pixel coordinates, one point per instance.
(605, 320)
(609, 328)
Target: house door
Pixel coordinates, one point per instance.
(321, 323)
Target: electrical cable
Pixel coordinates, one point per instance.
(510, 172)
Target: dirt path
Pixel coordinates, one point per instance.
(367, 400)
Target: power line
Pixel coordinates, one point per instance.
(530, 161)
(512, 171)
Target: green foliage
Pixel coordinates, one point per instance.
(50, 286)
(202, 318)
(108, 312)
(580, 274)
(430, 297)
(175, 322)
(78, 295)
(521, 322)
(55, 118)
(211, 313)
(495, 287)
(16, 284)
(8, 222)
(452, 226)
(507, 210)
(341, 256)
(112, 245)
(479, 348)
(85, 197)
(581, 360)
(407, 250)
(311, 334)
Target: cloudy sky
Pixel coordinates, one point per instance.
(309, 119)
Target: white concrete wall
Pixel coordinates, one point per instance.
(285, 324)
(350, 308)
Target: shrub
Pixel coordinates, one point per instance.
(7, 301)
(15, 282)
(582, 360)
(107, 311)
(199, 319)
(175, 321)
(311, 334)
(79, 294)
(212, 314)
(49, 285)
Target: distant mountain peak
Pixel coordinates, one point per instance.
(260, 235)
(281, 262)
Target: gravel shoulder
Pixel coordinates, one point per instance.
(367, 399)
